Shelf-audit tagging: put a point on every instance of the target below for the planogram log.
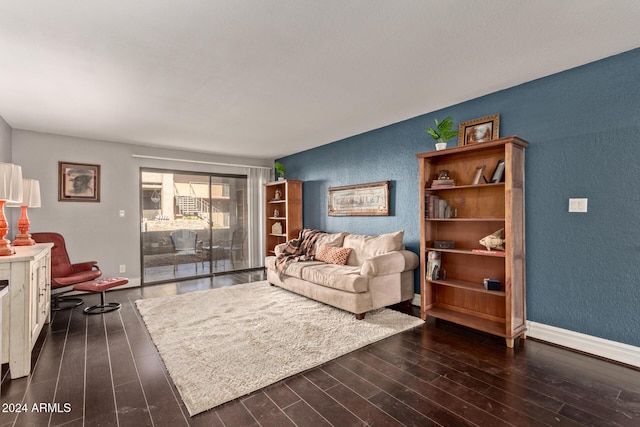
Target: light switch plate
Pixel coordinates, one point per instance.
(578, 205)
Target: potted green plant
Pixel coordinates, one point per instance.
(442, 132)
(279, 171)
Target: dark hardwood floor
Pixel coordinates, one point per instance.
(104, 371)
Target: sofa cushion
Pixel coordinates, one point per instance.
(367, 246)
(330, 239)
(343, 277)
(294, 269)
(333, 255)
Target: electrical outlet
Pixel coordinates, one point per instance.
(122, 214)
(578, 205)
(123, 268)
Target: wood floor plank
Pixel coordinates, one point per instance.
(524, 405)
(70, 388)
(420, 395)
(206, 419)
(518, 412)
(496, 377)
(356, 383)
(320, 379)
(525, 381)
(361, 407)
(281, 395)
(402, 412)
(322, 403)
(130, 400)
(265, 411)
(304, 415)
(589, 419)
(234, 413)
(132, 409)
(100, 405)
(163, 406)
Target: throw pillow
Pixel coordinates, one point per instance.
(333, 255)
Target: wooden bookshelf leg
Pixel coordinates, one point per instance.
(509, 342)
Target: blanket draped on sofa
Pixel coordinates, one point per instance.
(301, 249)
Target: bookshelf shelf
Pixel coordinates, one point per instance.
(464, 187)
(467, 252)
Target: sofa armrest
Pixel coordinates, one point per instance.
(389, 263)
(279, 248)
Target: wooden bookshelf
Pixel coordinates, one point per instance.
(289, 208)
(481, 209)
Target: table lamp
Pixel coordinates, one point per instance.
(10, 191)
(30, 199)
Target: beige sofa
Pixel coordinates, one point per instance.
(379, 272)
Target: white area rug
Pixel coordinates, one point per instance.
(224, 343)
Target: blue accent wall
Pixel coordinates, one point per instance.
(583, 126)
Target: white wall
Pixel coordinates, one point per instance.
(95, 231)
(5, 157)
(5, 141)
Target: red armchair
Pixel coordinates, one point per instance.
(65, 275)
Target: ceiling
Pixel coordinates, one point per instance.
(268, 78)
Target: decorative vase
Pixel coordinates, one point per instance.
(441, 145)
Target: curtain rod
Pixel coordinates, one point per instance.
(142, 156)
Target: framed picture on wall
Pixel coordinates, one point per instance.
(360, 200)
(78, 182)
(479, 130)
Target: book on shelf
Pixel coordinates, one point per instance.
(433, 265)
(485, 251)
(426, 205)
(434, 201)
(436, 207)
(443, 183)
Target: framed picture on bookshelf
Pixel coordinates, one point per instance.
(478, 174)
(498, 173)
(479, 130)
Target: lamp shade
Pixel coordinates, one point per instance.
(30, 194)
(10, 183)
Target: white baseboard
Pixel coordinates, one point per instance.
(613, 350)
(416, 300)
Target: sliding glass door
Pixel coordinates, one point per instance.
(192, 224)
